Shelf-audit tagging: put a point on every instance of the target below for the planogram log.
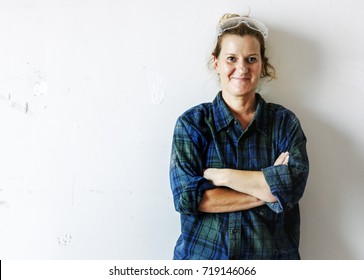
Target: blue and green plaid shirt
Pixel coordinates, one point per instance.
(207, 136)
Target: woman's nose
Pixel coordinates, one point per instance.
(243, 68)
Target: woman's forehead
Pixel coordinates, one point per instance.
(236, 43)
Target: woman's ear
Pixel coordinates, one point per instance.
(216, 64)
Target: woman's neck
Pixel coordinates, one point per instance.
(242, 107)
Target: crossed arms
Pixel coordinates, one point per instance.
(214, 190)
(237, 189)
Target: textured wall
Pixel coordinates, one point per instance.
(89, 94)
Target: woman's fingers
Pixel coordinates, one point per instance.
(282, 159)
(286, 159)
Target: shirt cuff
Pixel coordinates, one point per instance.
(277, 177)
(204, 185)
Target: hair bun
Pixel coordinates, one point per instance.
(227, 16)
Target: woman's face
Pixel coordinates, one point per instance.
(239, 65)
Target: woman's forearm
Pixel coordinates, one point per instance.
(222, 200)
(248, 182)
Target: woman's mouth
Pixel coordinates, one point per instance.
(241, 78)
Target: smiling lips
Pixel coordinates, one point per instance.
(244, 78)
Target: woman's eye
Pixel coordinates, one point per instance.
(231, 59)
(251, 59)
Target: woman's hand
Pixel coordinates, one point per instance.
(282, 159)
(216, 175)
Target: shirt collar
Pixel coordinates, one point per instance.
(223, 116)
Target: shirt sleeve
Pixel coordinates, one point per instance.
(186, 168)
(287, 182)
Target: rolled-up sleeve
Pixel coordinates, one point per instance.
(186, 167)
(287, 182)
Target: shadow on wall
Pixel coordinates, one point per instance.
(331, 207)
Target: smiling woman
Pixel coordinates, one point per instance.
(260, 32)
(239, 66)
(239, 165)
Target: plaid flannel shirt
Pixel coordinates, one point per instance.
(208, 136)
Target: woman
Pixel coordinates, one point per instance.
(239, 165)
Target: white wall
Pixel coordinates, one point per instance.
(89, 94)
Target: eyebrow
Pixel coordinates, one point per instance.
(252, 54)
